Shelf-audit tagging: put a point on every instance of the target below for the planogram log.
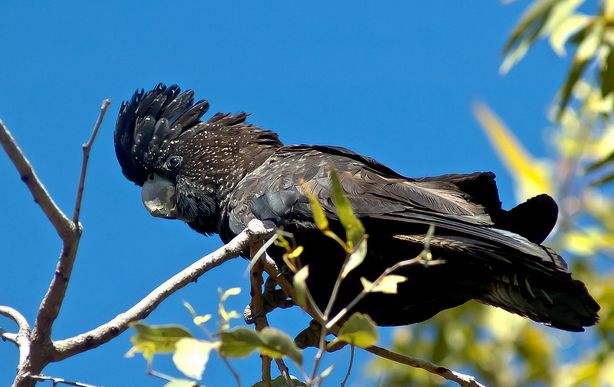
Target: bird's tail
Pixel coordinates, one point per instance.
(554, 299)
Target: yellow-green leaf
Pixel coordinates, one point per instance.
(191, 356)
(531, 176)
(319, 216)
(353, 227)
(189, 307)
(276, 344)
(358, 330)
(355, 258)
(156, 339)
(588, 47)
(387, 285)
(280, 381)
(269, 342)
(199, 320)
(300, 285)
(181, 383)
(230, 292)
(295, 253)
(526, 32)
(239, 342)
(565, 30)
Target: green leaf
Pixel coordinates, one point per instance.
(300, 285)
(606, 73)
(239, 342)
(181, 383)
(526, 32)
(600, 163)
(156, 339)
(280, 381)
(387, 285)
(589, 45)
(573, 76)
(607, 179)
(276, 344)
(191, 356)
(319, 216)
(269, 342)
(355, 259)
(358, 330)
(353, 227)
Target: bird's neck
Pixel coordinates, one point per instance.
(227, 156)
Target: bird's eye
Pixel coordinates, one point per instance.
(150, 177)
(174, 162)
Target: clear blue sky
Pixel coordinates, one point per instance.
(393, 80)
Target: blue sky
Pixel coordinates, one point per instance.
(392, 80)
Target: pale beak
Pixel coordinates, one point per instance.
(158, 195)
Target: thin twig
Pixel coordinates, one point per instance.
(209, 335)
(16, 316)
(258, 250)
(461, 379)
(52, 301)
(464, 380)
(159, 375)
(351, 363)
(234, 373)
(117, 325)
(22, 338)
(87, 147)
(419, 260)
(60, 222)
(55, 381)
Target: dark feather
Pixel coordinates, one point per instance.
(226, 172)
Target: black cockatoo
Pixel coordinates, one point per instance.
(217, 175)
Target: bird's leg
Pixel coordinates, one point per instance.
(258, 314)
(310, 337)
(275, 297)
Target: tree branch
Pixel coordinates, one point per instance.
(87, 147)
(60, 222)
(55, 381)
(39, 343)
(52, 301)
(446, 373)
(464, 380)
(21, 339)
(113, 328)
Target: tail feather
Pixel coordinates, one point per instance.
(533, 219)
(562, 303)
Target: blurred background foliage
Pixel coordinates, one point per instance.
(499, 348)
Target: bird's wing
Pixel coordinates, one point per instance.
(275, 192)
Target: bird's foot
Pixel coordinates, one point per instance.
(310, 337)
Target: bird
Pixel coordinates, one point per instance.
(219, 173)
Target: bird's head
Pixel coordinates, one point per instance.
(186, 167)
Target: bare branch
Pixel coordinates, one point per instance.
(16, 316)
(22, 338)
(446, 373)
(52, 301)
(60, 222)
(87, 147)
(55, 381)
(113, 328)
